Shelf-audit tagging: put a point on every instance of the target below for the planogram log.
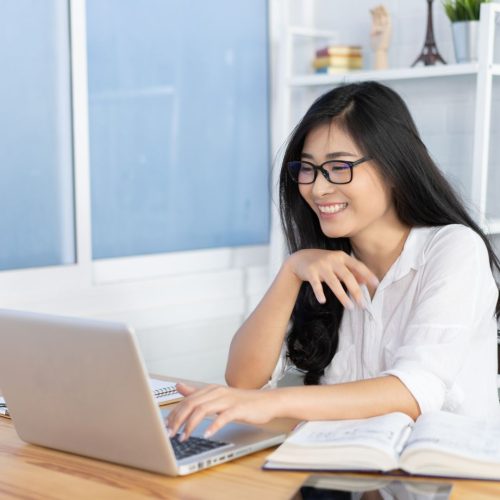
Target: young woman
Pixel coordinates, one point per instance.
(387, 301)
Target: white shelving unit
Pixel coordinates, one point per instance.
(484, 71)
(386, 75)
(484, 84)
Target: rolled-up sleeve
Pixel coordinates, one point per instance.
(427, 369)
(456, 291)
(282, 367)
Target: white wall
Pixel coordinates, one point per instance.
(184, 320)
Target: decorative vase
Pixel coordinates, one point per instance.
(465, 40)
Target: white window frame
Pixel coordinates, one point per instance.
(87, 273)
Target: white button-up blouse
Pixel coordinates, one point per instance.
(431, 324)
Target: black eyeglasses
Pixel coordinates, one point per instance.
(334, 171)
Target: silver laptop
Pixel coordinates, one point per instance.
(80, 386)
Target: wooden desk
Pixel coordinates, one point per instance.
(32, 472)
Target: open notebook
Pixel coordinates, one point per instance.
(436, 444)
(164, 392)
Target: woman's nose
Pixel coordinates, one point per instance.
(321, 186)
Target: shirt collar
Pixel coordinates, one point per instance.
(411, 257)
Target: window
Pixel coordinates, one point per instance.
(179, 129)
(179, 125)
(36, 164)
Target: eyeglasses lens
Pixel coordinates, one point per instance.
(303, 173)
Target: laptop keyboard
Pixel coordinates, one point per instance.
(193, 446)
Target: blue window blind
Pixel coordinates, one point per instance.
(36, 166)
(179, 124)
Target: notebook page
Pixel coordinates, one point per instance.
(4, 412)
(459, 435)
(164, 391)
(385, 432)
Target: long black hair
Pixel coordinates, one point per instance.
(379, 122)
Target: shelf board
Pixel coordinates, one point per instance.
(387, 74)
(495, 70)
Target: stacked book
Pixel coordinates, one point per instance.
(338, 59)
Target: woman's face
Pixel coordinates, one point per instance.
(364, 205)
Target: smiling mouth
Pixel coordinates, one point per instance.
(332, 209)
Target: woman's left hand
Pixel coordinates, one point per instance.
(249, 405)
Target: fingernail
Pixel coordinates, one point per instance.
(170, 432)
(182, 437)
(375, 281)
(362, 303)
(350, 305)
(207, 433)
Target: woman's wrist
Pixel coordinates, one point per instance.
(298, 402)
(287, 268)
(279, 402)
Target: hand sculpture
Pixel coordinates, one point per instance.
(380, 35)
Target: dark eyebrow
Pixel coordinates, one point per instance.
(337, 154)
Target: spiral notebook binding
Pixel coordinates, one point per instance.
(164, 391)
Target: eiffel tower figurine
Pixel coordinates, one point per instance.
(430, 54)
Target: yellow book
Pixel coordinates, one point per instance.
(339, 50)
(338, 62)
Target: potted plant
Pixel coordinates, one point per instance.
(464, 17)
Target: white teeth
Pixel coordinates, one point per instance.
(331, 209)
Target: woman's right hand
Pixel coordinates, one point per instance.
(332, 267)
